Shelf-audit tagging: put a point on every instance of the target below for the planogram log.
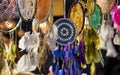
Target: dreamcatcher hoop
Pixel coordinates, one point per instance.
(42, 14)
(96, 17)
(7, 10)
(11, 30)
(67, 31)
(76, 10)
(27, 8)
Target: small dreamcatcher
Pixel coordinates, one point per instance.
(76, 14)
(27, 8)
(67, 31)
(7, 10)
(43, 9)
(96, 17)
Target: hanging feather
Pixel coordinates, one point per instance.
(66, 54)
(52, 37)
(92, 69)
(54, 67)
(62, 72)
(72, 70)
(57, 70)
(76, 48)
(55, 53)
(71, 53)
(62, 53)
(77, 67)
(110, 48)
(82, 50)
(106, 35)
(92, 43)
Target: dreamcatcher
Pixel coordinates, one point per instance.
(7, 10)
(7, 14)
(27, 8)
(64, 52)
(76, 14)
(43, 9)
(96, 17)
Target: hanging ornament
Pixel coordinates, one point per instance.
(76, 14)
(27, 8)
(43, 9)
(106, 34)
(7, 10)
(116, 15)
(67, 31)
(106, 5)
(96, 17)
(88, 6)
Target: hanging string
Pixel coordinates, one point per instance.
(15, 37)
(65, 9)
(118, 2)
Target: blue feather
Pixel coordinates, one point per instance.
(72, 70)
(62, 72)
(55, 53)
(57, 70)
(53, 67)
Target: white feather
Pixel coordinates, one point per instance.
(53, 37)
(106, 35)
